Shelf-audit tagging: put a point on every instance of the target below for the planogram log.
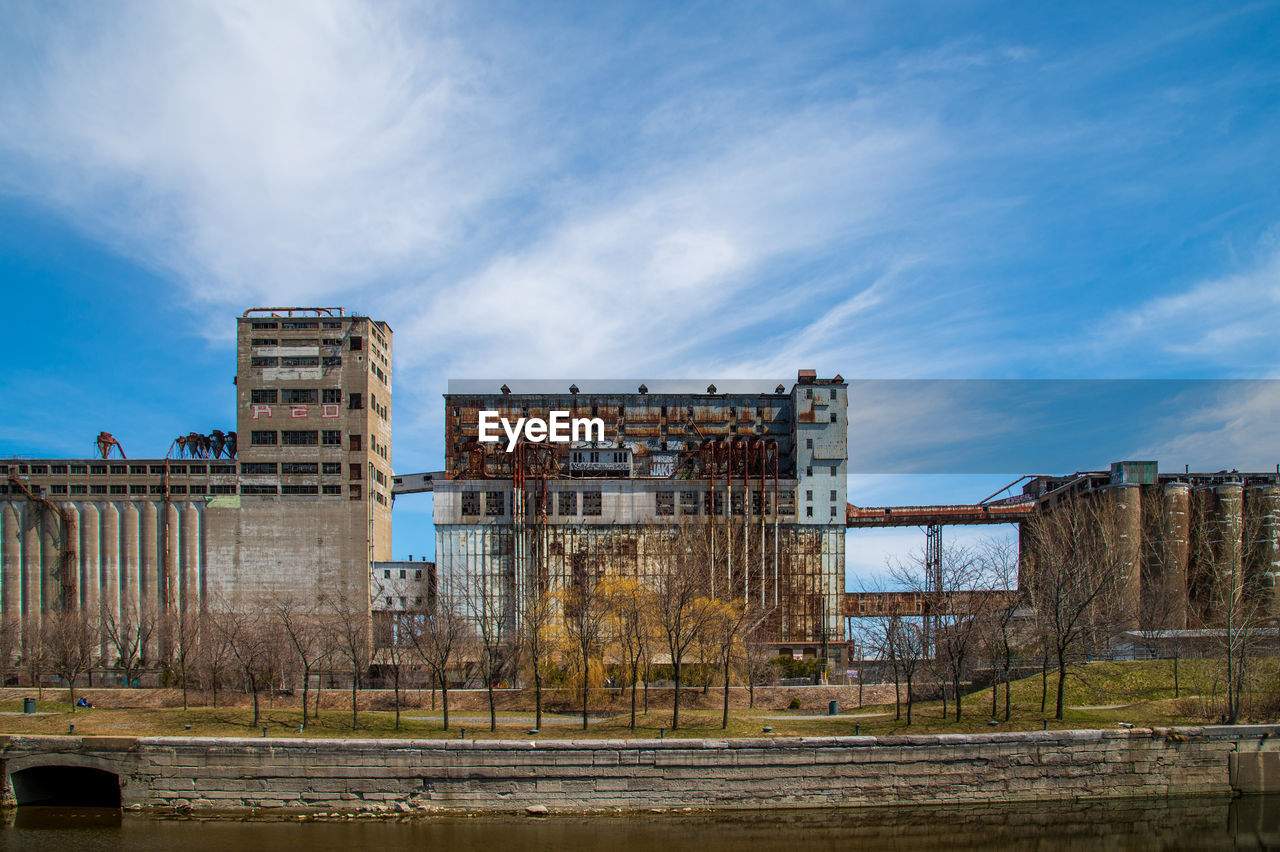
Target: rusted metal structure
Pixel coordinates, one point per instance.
(760, 475)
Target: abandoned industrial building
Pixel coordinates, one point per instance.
(299, 498)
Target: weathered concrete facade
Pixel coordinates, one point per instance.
(585, 775)
(760, 475)
(304, 506)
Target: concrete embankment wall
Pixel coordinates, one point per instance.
(222, 773)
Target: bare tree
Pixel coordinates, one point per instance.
(348, 617)
(628, 607)
(69, 638)
(299, 622)
(185, 650)
(585, 615)
(492, 612)
(245, 632)
(995, 621)
(35, 651)
(1078, 576)
(683, 608)
(129, 635)
(438, 637)
(537, 608)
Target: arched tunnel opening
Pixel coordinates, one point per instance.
(66, 786)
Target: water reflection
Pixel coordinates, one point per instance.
(1192, 823)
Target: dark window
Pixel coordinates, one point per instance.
(157, 489)
(295, 325)
(357, 343)
(257, 489)
(356, 443)
(808, 511)
(97, 489)
(665, 502)
(258, 396)
(331, 467)
(97, 468)
(79, 489)
(808, 443)
(310, 490)
(58, 468)
(137, 489)
(331, 395)
(222, 468)
(299, 396)
(197, 469)
(177, 468)
(833, 494)
(470, 502)
(332, 341)
(157, 468)
(119, 469)
(331, 489)
(591, 503)
(331, 437)
(198, 489)
(298, 468)
(299, 437)
(260, 438)
(495, 503)
(688, 502)
(58, 489)
(264, 362)
(222, 489)
(331, 361)
(262, 325)
(134, 469)
(568, 502)
(178, 489)
(300, 361)
(79, 469)
(354, 491)
(356, 471)
(257, 467)
(264, 341)
(355, 401)
(833, 417)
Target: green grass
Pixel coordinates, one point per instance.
(1145, 689)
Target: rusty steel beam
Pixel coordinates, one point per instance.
(872, 604)
(915, 516)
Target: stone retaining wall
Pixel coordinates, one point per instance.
(409, 775)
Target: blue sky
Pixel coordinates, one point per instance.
(884, 190)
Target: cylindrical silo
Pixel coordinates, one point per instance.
(30, 559)
(148, 545)
(1228, 526)
(50, 547)
(1169, 579)
(68, 517)
(90, 539)
(10, 561)
(1128, 506)
(189, 589)
(109, 552)
(129, 561)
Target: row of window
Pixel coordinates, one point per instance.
(300, 341)
(565, 503)
(299, 490)
(295, 396)
(296, 325)
(295, 361)
(296, 438)
(120, 469)
(77, 488)
(299, 468)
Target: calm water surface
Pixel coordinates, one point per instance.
(1216, 823)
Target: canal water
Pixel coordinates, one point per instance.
(1251, 822)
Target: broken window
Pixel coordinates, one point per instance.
(331, 396)
(119, 469)
(688, 502)
(355, 401)
(79, 489)
(257, 467)
(300, 361)
(157, 468)
(357, 343)
(300, 490)
(265, 341)
(298, 468)
(665, 502)
(258, 489)
(331, 489)
(137, 489)
(134, 469)
(299, 396)
(296, 326)
(79, 469)
(495, 504)
(332, 361)
(736, 503)
(331, 467)
(97, 468)
(355, 471)
(591, 503)
(222, 489)
(258, 326)
(197, 489)
(119, 489)
(332, 324)
(568, 502)
(58, 468)
(262, 438)
(299, 437)
(196, 469)
(470, 502)
(264, 362)
(354, 491)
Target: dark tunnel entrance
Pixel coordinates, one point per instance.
(66, 786)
